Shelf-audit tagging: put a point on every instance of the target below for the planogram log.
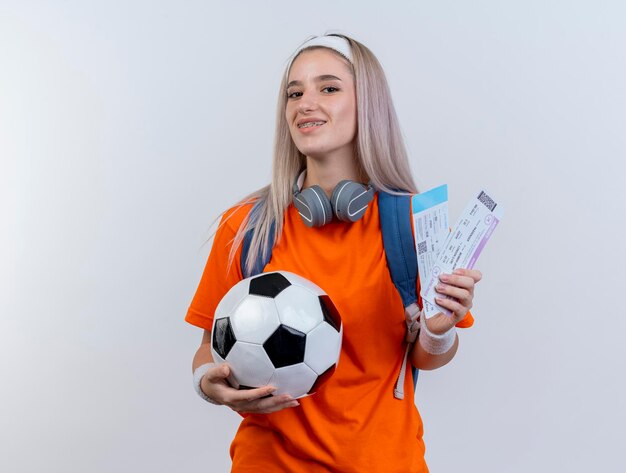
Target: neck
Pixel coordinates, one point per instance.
(327, 173)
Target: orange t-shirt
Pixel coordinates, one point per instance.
(352, 423)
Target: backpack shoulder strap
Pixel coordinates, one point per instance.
(396, 227)
(397, 231)
(261, 261)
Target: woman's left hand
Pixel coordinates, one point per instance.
(460, 287)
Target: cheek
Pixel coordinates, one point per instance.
(288, 113)
(289, 118)
(350, 117)
(291, 108)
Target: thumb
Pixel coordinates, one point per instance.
(218, 372)
(224, 371)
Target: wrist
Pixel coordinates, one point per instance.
(439, 324)
(198, 375)
(436, 343)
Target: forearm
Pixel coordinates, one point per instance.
(203, 354)
(423, 360)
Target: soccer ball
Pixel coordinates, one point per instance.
(280, 329)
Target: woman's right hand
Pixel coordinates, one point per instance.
(245, 401)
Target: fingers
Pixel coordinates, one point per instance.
(460, 279)
(256, 400)
(472, 273)
(235, 396)
(268, 405)
(456, 280)
(459, 289)
(456, 307)
(464, 296)
(264, 405)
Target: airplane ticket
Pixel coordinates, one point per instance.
(463, 245)
(431, 227)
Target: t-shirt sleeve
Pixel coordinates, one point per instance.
(467, 322)
(217, 277)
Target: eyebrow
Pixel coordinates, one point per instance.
(317, 79)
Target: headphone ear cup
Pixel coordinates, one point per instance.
(350, 200)
(313, 206)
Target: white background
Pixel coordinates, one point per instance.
(127, 126)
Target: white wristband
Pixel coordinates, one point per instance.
(199, 372)
(436, 344)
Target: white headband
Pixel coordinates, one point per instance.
(337, 43)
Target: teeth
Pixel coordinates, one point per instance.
(310, 124)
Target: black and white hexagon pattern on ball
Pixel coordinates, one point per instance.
(250, 364)
(254, 319)
(331, 314)
(297, 280)
(299, 308)
(268, 284)
(297, 380)
(286, 346)
(280, 329)
(321, 379)
(223, 337)
(323, 346)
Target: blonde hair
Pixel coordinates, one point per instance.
(380, 153)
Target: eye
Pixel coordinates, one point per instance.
(330, 89)
(293, 95)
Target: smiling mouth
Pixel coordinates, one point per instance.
(310, 124)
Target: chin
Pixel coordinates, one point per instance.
(314, 153)
(310, 149)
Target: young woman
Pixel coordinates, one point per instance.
(336, 123)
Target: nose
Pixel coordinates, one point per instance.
(307, 102)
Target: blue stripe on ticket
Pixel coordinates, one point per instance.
(429, 199)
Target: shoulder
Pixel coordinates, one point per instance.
(233, 217)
